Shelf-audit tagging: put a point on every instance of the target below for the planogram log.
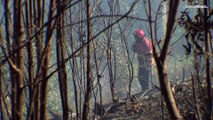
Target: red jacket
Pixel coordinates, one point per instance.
(143, 49)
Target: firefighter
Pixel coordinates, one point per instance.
(143, 48)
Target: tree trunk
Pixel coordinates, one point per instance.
(38, 9)
(28, 14)
(62, 75)
(161, 63)
(46, 61)
(89, 81)
(17, 71)
(207, 58)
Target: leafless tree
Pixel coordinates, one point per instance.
(160, 59)
(85, 43)
(60, 45)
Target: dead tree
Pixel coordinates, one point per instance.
(89, 81)
(17, 65)
(198, 37)
(160, 61)
(60, 44)
(207, 56)
(30, 53)
(34, 16)
(46, 61)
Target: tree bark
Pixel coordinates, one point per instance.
(17, 86)
(62, 75)
(38, 10)
(89, 82)
(28, 15)
(46, 61)
(207, 58)
(161, 63)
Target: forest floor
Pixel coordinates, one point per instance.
(191, 99)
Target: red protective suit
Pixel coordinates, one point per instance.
(143, 48)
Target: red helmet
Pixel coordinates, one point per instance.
(139, 33)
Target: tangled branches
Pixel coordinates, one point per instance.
(194, 27)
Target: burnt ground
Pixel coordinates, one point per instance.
(191, 99)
